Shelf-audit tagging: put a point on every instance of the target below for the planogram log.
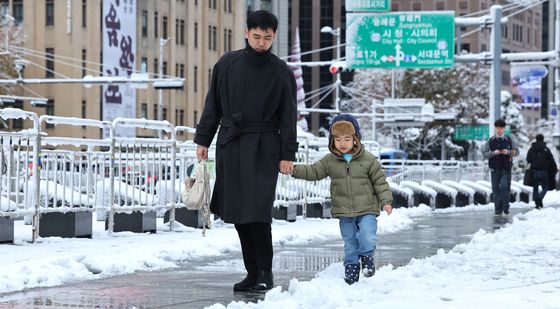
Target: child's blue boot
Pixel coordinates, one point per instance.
(351, 273)
(368, 265)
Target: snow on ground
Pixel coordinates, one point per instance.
(518, 266)
(54, 261)
(499, 260)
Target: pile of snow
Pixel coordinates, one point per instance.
(478, 187)
(441, 188)
(6, 204)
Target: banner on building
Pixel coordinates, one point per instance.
(119, 47)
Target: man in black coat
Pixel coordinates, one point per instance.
(543, 169)
(252, 97)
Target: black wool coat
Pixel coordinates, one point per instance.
(252, 99)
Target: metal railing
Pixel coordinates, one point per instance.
(125, 174)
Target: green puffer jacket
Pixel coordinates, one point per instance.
(357, 188)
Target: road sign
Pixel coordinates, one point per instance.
(466, 132)
(400, 40)
(367, 5)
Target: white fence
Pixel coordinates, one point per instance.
(124, 174)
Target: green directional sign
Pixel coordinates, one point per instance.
(467, 132)
(400, 40)
(367, 5)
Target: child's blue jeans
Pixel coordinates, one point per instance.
(359, 235)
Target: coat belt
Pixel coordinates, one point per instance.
(236, 127)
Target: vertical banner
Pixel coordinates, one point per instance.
(119, 47)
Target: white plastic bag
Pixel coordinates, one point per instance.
(196, 193)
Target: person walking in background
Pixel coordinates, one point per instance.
(499, 150)
(543, 167)
(253, 97)
(358, 191)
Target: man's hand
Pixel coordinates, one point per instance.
(201, 152)
(388, 208)
(286, 167)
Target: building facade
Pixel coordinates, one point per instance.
(64, 39)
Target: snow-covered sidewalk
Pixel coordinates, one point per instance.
(518, 266)
(55, 261)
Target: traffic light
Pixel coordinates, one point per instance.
(337, 67)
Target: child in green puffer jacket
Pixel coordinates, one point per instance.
(358, 191)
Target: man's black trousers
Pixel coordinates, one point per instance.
(256, 245)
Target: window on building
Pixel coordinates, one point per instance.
(195, 34)
(463, 5)
(84, 109)
(164, 26)
(156, 67)
(230, 10)
(214, 38)
(177, 31)
(181, 70)
(483, 47)
(17, 11)
(209, 77)
(144, 110)
(181, 117)
(144, 65)
(394, 7)
(176, 69)
(225, 40)
(84, 62)
(144, 23)
(506, 79)
(466, 47)
(49, 13)
(209, 37)
(164, 114)
(84, 13)
(49, 110)
(156, 111)
(164, 68)
(505, 31)
(195, 118)
(229, 39)
(182, 32)
(440, 6)
(156, 32)
(195, 79)
(417, 6)
(49, 64)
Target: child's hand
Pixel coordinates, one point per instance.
(388, 208)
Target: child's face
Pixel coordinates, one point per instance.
(344, 143)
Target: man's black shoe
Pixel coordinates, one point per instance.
(246, 284)
(265, 281)
(506, 211)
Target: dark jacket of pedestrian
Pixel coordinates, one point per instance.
(253, 97)
(541, 159)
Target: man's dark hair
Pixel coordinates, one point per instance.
(539, 138)
(500, 123)
(262, 19)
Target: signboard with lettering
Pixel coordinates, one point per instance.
(467, 132)
(400, 40)
(119, 48)
(367, 5)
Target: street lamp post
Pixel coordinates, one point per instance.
(162, 43)
(336, 33)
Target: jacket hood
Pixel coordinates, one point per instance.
(356, 150)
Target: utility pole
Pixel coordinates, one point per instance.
(496, 71)
(556, 135)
